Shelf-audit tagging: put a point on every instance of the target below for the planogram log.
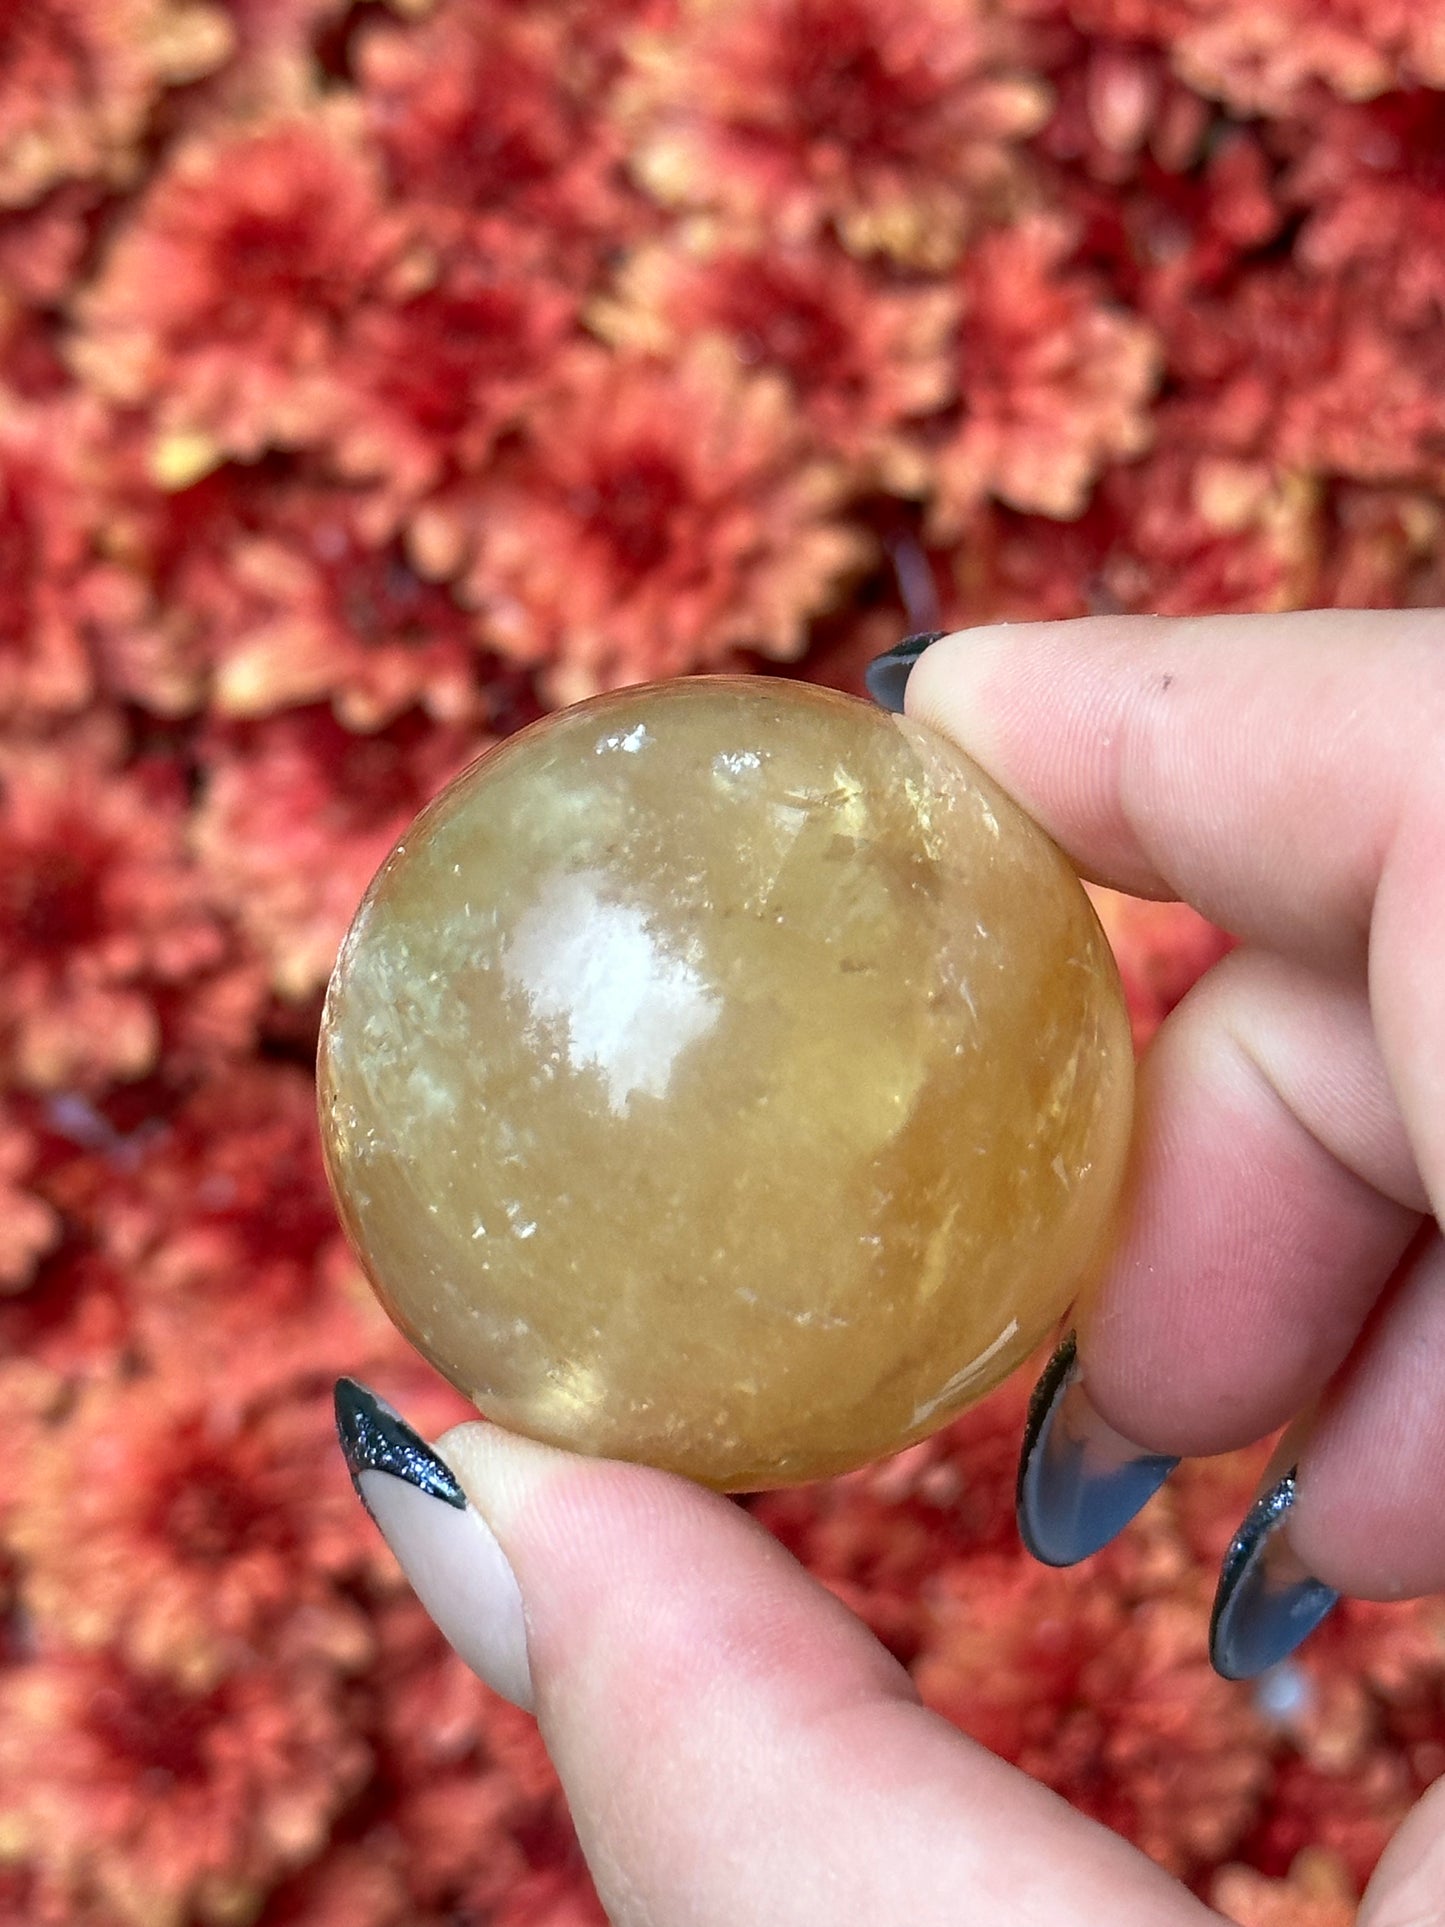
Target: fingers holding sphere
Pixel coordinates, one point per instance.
(1368, 1519)
(1270, 1197)
(735, 1746)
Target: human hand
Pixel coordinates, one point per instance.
(737, 1748)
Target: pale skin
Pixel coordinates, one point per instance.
(735, 1746)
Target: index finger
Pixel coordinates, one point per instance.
(1254, 766)
(1284, 774)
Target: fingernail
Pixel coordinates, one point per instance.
(442, 1543)
(1267, 1601)
(1080, 1482)
(886, 676)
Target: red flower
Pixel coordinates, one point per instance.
(1264, 57)
(42, 247)
(1055, 383)
(153, 1806)
(1179, 237)
(28, 1225)
(175, 548)
(349, 1885)
(72, 1322)
(51, 580)
(222, 303)
(189, 1528)
(864, 354)
(465, 1789)
(1110, 1702)
(1316, 1894)
(1162, 948)
(78, 79)
(100, 911)
(295, 817)
(1267, 57)
(1371, 180)
(202, 1247)
(658, 516)
(1118, 109)
(464, 1819)
(272, 62)
(1297, 372)
(892, 119)
(1194, 531)
(261, 591)
(218, 1215)
(1385, 550)
(303, 603)
(489, 112)
(448, 359)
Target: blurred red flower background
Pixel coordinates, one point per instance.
(374, 377)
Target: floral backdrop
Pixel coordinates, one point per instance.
(372, 378)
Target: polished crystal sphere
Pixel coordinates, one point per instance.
(725, 1075)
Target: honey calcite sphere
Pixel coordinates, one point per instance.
(726, 1075)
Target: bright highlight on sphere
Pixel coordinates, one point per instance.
(726, 1075)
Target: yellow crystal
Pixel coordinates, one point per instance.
(725, 1075)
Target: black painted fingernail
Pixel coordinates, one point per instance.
(375, 1438)
(1080, 1482)
(887, 675)
(1267, 1602)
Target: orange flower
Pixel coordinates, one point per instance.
(308, 477)
(124, 1794)
(657, 516)
(189, 1528)
(78, 79)
(221, 305)
(1349, 1812)
(1054, 382)
(894, 120)
(100, 910)
(1180, 532)
(294, 819)
(864, 353)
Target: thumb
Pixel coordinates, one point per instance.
(735, 1746)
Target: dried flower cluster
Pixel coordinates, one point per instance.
(375, 374)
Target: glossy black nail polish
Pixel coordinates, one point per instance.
(1080, 1482)
(375, 1438)
(1266, 1602)
(887, 675)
